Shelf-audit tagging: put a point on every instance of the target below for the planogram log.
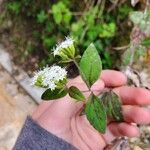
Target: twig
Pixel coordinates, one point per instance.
(101, 8)
(132, 49)
(83, 33)
(113, 6)
(121, 48)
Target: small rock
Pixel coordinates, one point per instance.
(137, 148)
(12, 89)
(134, 140)
(146, 141)
(5, 59)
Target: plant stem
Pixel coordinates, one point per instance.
(74, 61)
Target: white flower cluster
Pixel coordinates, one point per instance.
(49, 76)
(65, 44)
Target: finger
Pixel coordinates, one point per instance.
(133, 96)
(113, 78)
(121, 129)
(136, 114)
(124, 129)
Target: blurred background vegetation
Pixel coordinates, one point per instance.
(31, 28)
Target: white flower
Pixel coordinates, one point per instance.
(49, 76)
(65, 49)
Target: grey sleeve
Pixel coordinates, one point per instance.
(34, 137)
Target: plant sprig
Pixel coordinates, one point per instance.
(54, 79)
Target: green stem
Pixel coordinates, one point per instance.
(74, 61)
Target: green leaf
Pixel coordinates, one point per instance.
(96, 114)
(48, 42)
(107, 30)
(14, 7)
(124, 10)
(75, 93)
(57, 17)
(57, 14)
(90, 65)
(93, 32)
(55, 94)
(136, 17)
(113, 106)
(146, 42)
(140, 51)
(42, 17)
(67, 16)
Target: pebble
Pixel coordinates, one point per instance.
(137, 148)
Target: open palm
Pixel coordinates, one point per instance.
(62, 117)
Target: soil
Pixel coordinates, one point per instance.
(15, 105)
(14, 42)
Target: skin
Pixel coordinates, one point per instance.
(61, 117)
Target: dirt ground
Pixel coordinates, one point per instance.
(15, 105)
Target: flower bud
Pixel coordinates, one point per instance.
(66, 49)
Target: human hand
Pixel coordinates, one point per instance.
(62, 117)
